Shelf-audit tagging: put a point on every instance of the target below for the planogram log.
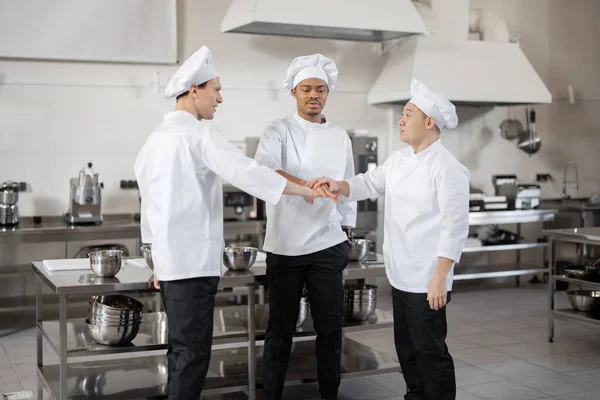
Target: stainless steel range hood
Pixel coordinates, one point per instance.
(488, 71)
(468, 72)
(357, 20)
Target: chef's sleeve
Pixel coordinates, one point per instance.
(369, 185)
(347, 207)
(270, 147)
(452, 184)
(228, 162)
(147, 236)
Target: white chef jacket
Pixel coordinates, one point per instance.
(179, 172)
(306, 150)
(426, 212)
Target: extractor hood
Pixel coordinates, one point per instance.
(494, 71)
(357, 20)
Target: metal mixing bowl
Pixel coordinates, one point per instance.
(584, 300)
(105, 263)
(360, 302)
(359, 249)
(239, 258)
(147, 253)
(303, 311)
(112, 334)
(116, 304)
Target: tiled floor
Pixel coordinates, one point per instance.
(497, 336)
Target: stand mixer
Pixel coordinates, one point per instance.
(85, 198)
(9, 210)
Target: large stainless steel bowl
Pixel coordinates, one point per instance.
(303, 311)
(116, 303)
(360, 302)
(239, 258)
(359, 249)
(584, 300)
(147, 253)
(112, 334)
(105, 263)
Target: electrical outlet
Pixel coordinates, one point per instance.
(128, 184)
(543, 177)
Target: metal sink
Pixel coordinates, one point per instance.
(573, 212)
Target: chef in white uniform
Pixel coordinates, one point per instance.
(305, 244)
(426, 226)
(179, 172)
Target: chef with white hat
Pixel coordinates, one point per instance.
(426, 222)
(179, 171)
(306, 245)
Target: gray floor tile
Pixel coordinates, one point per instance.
(462, 395)
(393, 382)
(459, 343)
(479, 356)
(10, 387)
(363, 389)
(591, 356)
(490, 339)
(516, 368)
(588, 375)
(473, 376)
(563, 363)
(504, 390)
(555, 385)
(457, 330)
(524, 350)
(582, 396)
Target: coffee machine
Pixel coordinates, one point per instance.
(9, 210)
(364, 150)
(85, 198)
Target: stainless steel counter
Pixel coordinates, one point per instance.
(134, 278)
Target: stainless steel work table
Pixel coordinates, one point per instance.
(238, 331)
(585, 236)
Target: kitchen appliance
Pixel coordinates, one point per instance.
(506, 185)
(528, 196)
(476, 202)
(364, 150)
(85, 198)
(495, 203)
(9, 210)
(238, 205)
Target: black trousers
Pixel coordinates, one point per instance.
(189, 304)
(420, 338)
(286, 276)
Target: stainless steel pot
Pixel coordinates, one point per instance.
(105, 263)
(359, 249)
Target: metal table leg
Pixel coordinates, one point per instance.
(551, 285)
(38, 333)
(251, 342)
(62, 329)
(518, 278)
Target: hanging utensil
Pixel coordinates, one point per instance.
(529, 140)
(511, 127)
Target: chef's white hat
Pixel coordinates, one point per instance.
(194, 71)
(433, 104)
(313, 66)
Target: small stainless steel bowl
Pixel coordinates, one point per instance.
(239, 258)
(359, 301)
(303, 311)
(116, 303)
(105, 263)
(359, 249)
(112, 335)
(584, 300)
(147, 253)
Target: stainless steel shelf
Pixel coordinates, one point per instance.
(230, 325)
(505, 247)
(495, 271)
(577, 281)
(511, 217)
(580, 316)
(145, 377)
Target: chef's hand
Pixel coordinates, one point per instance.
(436, 293)
(156, 284)
(332, 185)
(325, 192)
(312, 195)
